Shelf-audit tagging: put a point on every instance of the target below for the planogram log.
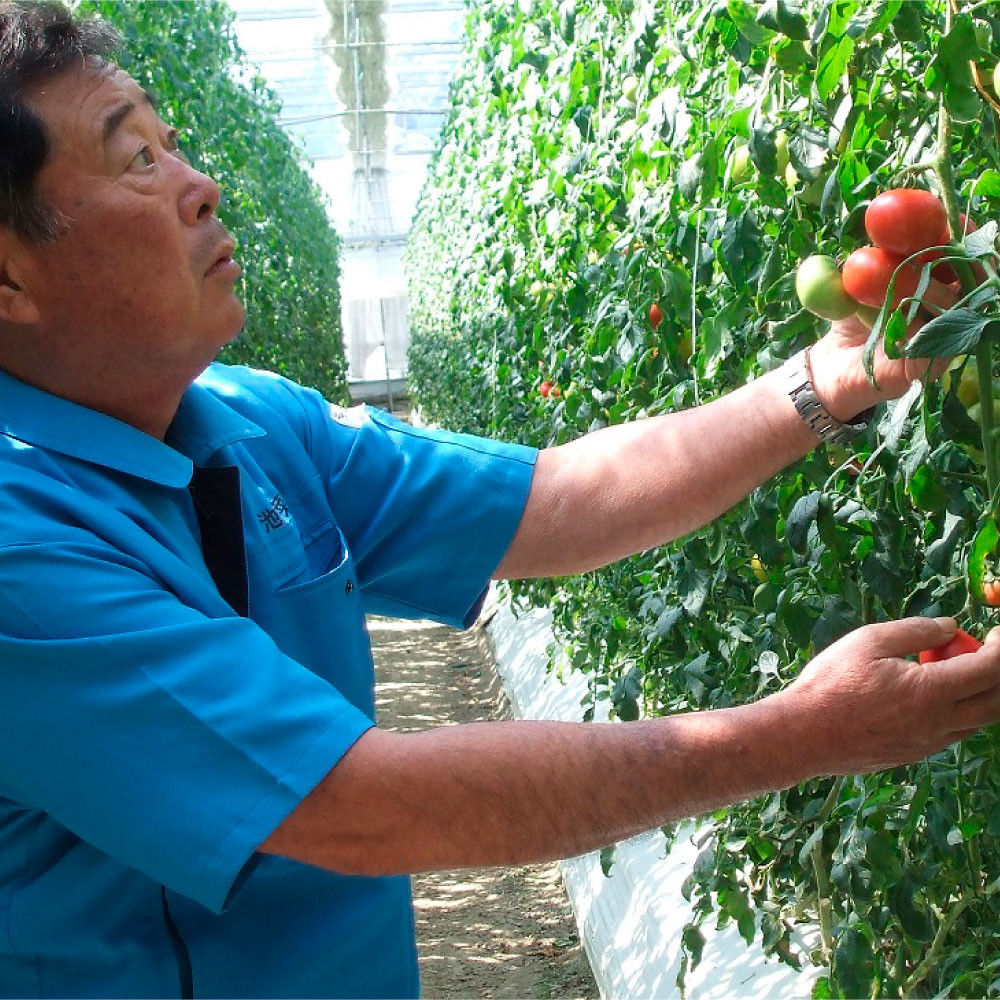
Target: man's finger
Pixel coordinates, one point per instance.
(980, 710)
(909, 636)
(971, 676)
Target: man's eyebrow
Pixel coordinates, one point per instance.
(114, 120)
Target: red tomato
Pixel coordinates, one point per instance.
(655, 316)
(961, 643)
(945, 273)
(545, 388)
(905, 220)
(556, 391)
(991, 593)
(868, 271)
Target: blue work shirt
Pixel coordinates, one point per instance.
(151, 738)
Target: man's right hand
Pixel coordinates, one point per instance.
(862, 706)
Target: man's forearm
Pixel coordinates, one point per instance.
(634, 486)
(519, 792)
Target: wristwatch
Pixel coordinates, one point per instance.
(816, 416)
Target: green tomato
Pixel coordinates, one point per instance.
(781, 148)
(996, 78)
(821, 289)
(630, 88)
(967, 389)
(740, 165)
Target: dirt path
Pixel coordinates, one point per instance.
(496, 933)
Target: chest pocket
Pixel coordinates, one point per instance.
(317, 618)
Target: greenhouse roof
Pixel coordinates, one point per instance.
(364, 89)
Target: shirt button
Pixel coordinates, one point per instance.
(349, 587)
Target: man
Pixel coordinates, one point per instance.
(193, 797)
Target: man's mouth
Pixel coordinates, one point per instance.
(224, 263)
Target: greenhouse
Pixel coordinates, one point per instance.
(500, 498)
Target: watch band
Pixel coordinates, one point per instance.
(815, 415)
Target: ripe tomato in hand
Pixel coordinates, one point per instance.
(906, 220)
(960, 643)
(867, 272)
(655, 316)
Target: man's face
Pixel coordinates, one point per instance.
(141, 283)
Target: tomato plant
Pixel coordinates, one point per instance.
(544, 169)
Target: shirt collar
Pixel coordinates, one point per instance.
(203, 424)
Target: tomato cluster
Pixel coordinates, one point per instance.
(900, 223)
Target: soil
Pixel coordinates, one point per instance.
(501, 932)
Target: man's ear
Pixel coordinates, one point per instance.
(17, 306)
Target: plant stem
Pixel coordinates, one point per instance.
(987, 416)
(937, 946)
(984, 350)
(825, 904)
(823, 887)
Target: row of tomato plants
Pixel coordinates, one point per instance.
(611, 229)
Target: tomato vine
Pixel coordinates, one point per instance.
(595, 150)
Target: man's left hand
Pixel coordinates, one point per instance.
(839, 376)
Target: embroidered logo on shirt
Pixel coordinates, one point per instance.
(275, 515)
(353, 416)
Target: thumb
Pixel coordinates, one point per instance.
(913, 635)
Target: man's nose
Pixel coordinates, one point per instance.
(200, 197)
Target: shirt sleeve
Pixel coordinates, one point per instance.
(428, 514)
(440, 512)
(173, 742)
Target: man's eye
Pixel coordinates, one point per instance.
(144, 158)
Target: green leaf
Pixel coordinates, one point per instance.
(607, 860)
(883, 578)
(956, 331)
(957, 423)
(837, 619)
(916, 920)
(786, 17)
(740, 247)
(988, 184)
(906, 24)
(940, 553)
(833, 62)
(806, 849)
(822, 990)
(853, 963)
(926, 490)
(694, 943)
(801, 518)
(763, 150)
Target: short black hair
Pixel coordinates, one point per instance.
(39, 40)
